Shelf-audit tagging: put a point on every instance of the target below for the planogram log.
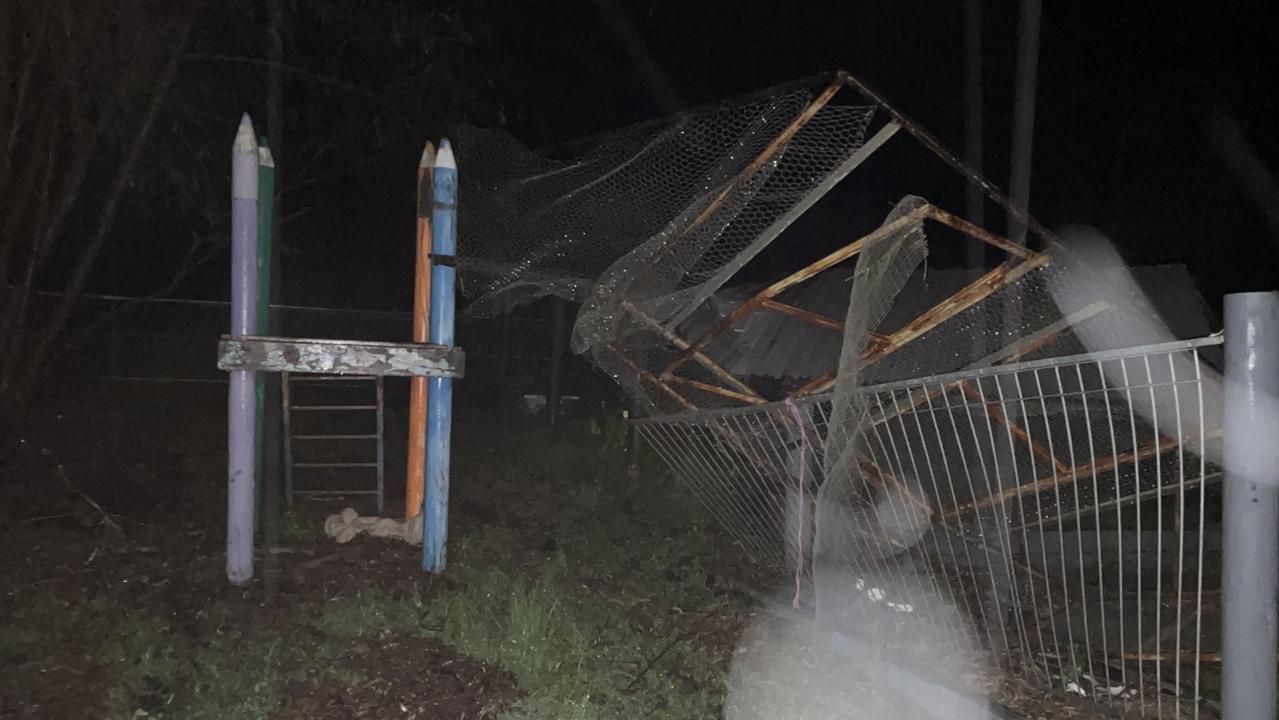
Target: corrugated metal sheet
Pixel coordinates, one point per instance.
(770, 344)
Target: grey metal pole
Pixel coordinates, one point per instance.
(1250, 515)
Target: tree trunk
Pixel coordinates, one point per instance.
(35, 363)
(1022, 144)
(659, 83)
(973, 152)
(1024, 115)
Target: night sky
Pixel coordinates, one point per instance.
(1125, 90)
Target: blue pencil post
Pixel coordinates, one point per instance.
(439, 411)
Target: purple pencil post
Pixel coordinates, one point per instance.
(241, 408)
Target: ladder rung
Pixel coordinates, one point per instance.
(334, 465)
(303, 408)
(334, 437)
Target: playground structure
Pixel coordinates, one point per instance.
(963, 448)
(988, 461)
(247, 352)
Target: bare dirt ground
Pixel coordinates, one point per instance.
(574, 589)
(115, 603)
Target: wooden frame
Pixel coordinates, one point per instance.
(339, 357)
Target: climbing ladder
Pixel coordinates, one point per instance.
(330, 431)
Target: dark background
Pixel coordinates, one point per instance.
(1124, 93)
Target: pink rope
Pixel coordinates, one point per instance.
(803, 465)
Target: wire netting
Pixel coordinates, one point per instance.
(658, 216)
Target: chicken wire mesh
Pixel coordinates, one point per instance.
(654, 218)
(695, 191)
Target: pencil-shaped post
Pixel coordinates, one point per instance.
(439, 419)
(413, 489)
(241, 410)
(266, 209)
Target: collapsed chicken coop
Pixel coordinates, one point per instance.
(1002, 456)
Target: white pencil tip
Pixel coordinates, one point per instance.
(444, 158)
(428, 155)
(245, 139)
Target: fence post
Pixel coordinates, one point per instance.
(1250, 515)
(241, 409)
(439, 415)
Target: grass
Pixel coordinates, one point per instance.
(372, 612)
(294, 529)
(590, 586)
(598, 627)
(154, 670)
(573, 651)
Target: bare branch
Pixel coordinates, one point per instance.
(106, 218)
(328, 80)
(16, 117)
(13, 323)
(192, 261)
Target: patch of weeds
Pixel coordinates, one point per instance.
(371, 613)
(36, 622)
(527, 629)
(345, 677)
(232, 682)
(573, 651)
(21, 649)
(145, 662)
(294, 529)
(162, 675)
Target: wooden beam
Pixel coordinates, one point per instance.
(783, 221)
(764, 157)
(1016, 350)
(1082, 472)
(821, 384)
(886, 480)
(717, 390)
(799, 276)
(980, 233)
(706, 362)
(997, 414)
(649, 377)
(801, 314)
(979, 290)
(339, 357)
(970, 295)
(946, 155)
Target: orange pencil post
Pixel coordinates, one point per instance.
(413, 491)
